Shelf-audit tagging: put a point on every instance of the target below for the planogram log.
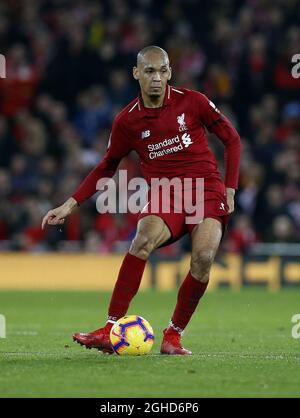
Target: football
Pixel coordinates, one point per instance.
(132, 335)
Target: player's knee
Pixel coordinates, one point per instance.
(201, 262)
(142, 246)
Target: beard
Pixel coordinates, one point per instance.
(155, 91)
(153, 94)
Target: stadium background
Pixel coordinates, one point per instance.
(68, 66)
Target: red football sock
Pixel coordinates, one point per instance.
(127, 285)
(189, 294)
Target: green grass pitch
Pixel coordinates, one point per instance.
(242, 345)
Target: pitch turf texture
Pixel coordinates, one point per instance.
(242, 345)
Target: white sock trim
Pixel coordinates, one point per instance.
(110, 321)
(179, 330)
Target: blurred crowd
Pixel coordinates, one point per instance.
(68, 66)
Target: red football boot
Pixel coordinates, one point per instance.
(171, 344)
(97, 339)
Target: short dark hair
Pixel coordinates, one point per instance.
(150, 48)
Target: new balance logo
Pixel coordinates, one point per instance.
(145, 134)
(222, 206)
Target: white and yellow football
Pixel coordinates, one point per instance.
(132, 335)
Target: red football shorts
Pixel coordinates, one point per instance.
(214, 206)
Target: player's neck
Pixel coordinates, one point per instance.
(153, 101)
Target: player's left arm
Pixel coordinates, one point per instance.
(220, 125)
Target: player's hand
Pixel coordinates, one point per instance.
(58, 215)
(230, 199)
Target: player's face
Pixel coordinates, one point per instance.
(153, 73)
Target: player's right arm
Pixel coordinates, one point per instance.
(118, 148)
(58, 215)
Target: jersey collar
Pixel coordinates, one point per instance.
(154, 112)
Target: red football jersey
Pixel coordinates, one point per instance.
(171, 141)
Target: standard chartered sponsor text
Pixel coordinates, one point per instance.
(159, 150)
